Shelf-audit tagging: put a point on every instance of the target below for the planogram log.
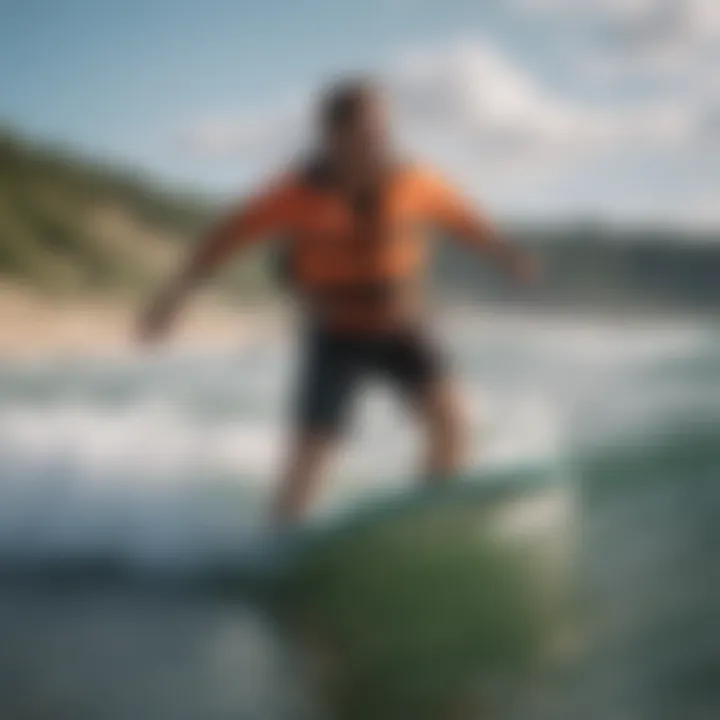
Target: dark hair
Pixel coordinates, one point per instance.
(344, 101)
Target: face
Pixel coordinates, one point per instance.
(364, 144)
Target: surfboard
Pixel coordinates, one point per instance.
(419, 593)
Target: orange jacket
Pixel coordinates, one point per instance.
(352, 263)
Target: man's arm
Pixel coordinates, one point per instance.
(265, 214)
(456, 214)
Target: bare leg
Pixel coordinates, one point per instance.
(307, 461)
(441, 410)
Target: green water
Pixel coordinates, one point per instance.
(131, 495)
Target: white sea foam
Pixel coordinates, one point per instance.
(173, 459)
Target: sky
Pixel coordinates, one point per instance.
(551, 109)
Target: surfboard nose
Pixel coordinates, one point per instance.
(426, 602)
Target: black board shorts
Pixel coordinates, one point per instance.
(335, 365)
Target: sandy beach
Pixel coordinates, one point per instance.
(33, 327)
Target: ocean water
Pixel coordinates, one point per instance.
(120, 478)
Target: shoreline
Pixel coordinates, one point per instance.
(33, 327)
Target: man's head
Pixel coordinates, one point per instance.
(355, 124)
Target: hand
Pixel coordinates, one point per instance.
(155, 322)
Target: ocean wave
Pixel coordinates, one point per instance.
(170, 461)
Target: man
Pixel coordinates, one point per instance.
(349, 221)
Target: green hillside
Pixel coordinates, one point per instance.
(69, 224)
(73, 225)
(599, 267)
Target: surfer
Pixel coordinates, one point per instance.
(349, 222)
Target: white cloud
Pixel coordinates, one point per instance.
(699, 211)
(613, 8)
(704, 210)
(472, 93)
(478, 95)
(254, 135)
(651, 36)
(487, 120)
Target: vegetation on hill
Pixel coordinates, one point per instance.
(69, 224)
(599, 267)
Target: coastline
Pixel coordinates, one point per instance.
(37, 327)
(33, 327)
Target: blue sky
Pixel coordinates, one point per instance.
(540, 107)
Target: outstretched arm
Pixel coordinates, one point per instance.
(261, 216)
(456, 214)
